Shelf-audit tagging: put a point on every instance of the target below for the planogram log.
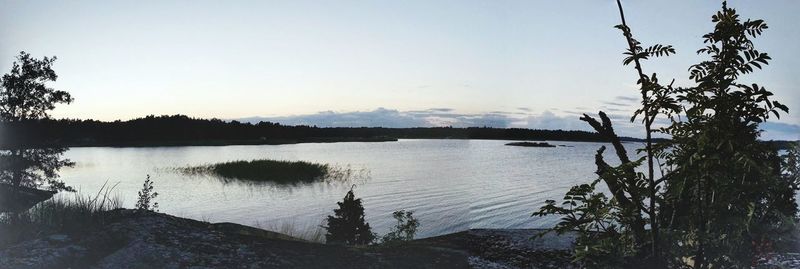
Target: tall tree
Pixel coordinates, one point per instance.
(723, 181)
(722, 192)
(26, 96)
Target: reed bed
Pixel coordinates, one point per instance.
(277, 171)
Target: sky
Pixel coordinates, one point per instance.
(532, 64)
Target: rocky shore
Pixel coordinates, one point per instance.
(143, 239)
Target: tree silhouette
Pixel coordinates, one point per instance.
(721, 182)
(722, 192)
(177, 130)
(24, 97)
(347, 226)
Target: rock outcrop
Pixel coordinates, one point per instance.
(143, 239)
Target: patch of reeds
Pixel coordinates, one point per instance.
(277, 171)
(62, 214)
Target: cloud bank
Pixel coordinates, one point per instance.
(520, 118)
(439, 117)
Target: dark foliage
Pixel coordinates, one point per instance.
(724, 190)
(146, 196)
(282, 172)
(25, 97)
(404, 229)
(612, 230)
(24, 94)
(723, 197)
(531, 144)
(70, 215)
(348, 226)
(783, 144)
(183, 130)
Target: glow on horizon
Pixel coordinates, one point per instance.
(123, 60)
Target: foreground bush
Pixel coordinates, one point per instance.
(347, 226)
(404, 229)
(146, 196)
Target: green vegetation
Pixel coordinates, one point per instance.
(266, 171)
(63, 215)
(146, 196)
(347, 226)
(722, 196)
(531, 144)
(26, 96)
(181, 130)
(404, 229)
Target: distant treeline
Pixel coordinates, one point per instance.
(783, 144)
(181, 130)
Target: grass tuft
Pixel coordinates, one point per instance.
(67, 215)
(314, 233)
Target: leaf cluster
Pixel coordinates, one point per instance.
(602, 239)
(24, 94)
(722, 196)
(404, 229)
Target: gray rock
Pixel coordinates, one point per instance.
(143, 239)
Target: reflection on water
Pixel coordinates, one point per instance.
(451, 185)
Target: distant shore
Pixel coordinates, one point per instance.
(179, 130)
(224, 142)
(780, 145)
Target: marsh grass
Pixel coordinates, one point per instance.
(67, 215)
(277, 171)
(313, 233)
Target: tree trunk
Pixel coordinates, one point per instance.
(616, 187)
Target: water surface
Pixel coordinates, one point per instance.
(451, 185)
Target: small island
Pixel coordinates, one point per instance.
(264, 170)
(532, 144)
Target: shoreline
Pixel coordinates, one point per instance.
(144, 239)
(272, 142)
(137, 238)
(220, 142)
(779, 145)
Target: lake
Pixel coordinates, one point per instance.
(451, 185)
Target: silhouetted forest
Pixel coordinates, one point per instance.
(180, 130)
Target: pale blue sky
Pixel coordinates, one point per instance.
(527, 60)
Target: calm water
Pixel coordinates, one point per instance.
(451, 185)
